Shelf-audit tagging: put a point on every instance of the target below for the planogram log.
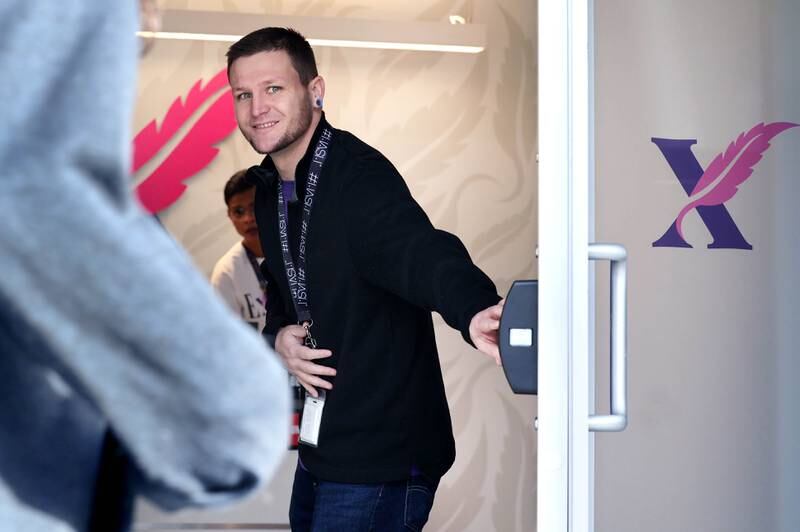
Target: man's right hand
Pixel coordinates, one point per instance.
(289, 343)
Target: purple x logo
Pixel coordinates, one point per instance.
(709, 189)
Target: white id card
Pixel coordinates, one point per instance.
(312, 419)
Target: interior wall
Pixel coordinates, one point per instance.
(462, 130)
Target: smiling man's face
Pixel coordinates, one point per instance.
(273, 107)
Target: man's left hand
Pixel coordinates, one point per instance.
(484, 329)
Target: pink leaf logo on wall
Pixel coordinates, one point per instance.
(196, 149)
(709, 189)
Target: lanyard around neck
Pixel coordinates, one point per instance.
(297, 275)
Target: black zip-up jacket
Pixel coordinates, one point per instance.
(376, 269)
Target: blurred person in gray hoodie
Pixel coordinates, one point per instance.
(106, 328)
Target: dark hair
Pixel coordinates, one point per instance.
(238, 183)
(270, 39)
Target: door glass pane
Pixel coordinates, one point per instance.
(709, 292)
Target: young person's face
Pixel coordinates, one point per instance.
(273, 107)
(240, 211)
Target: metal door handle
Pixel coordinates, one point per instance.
(618, 419)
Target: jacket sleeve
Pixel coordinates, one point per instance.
(395, 247)
(277, 316)
(197, 398)
(97, 290)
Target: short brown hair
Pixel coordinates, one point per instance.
(270, 39)
(238, 183)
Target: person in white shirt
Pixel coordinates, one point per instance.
(236, 276)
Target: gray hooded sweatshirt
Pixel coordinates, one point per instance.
(104, 322)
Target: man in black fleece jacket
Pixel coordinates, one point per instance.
(355, 269)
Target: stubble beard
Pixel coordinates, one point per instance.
(295, 131)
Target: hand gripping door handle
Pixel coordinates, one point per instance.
(618, 419)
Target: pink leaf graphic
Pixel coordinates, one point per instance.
(166, 184)
(739, 158)
(724, 159)
(151, 139)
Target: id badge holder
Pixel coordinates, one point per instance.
(312, 419)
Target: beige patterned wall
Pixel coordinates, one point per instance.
(462, 130)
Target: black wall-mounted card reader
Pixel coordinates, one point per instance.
(518, 337)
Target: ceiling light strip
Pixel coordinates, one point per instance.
(222, 26)
(335, 43)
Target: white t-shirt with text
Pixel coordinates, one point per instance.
(235, 281)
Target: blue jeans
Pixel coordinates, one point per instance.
(323, 506)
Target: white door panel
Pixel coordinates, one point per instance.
(712, 330)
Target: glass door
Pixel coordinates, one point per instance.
(696, 151)
(670, 129)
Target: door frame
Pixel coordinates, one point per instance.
(565, 461)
